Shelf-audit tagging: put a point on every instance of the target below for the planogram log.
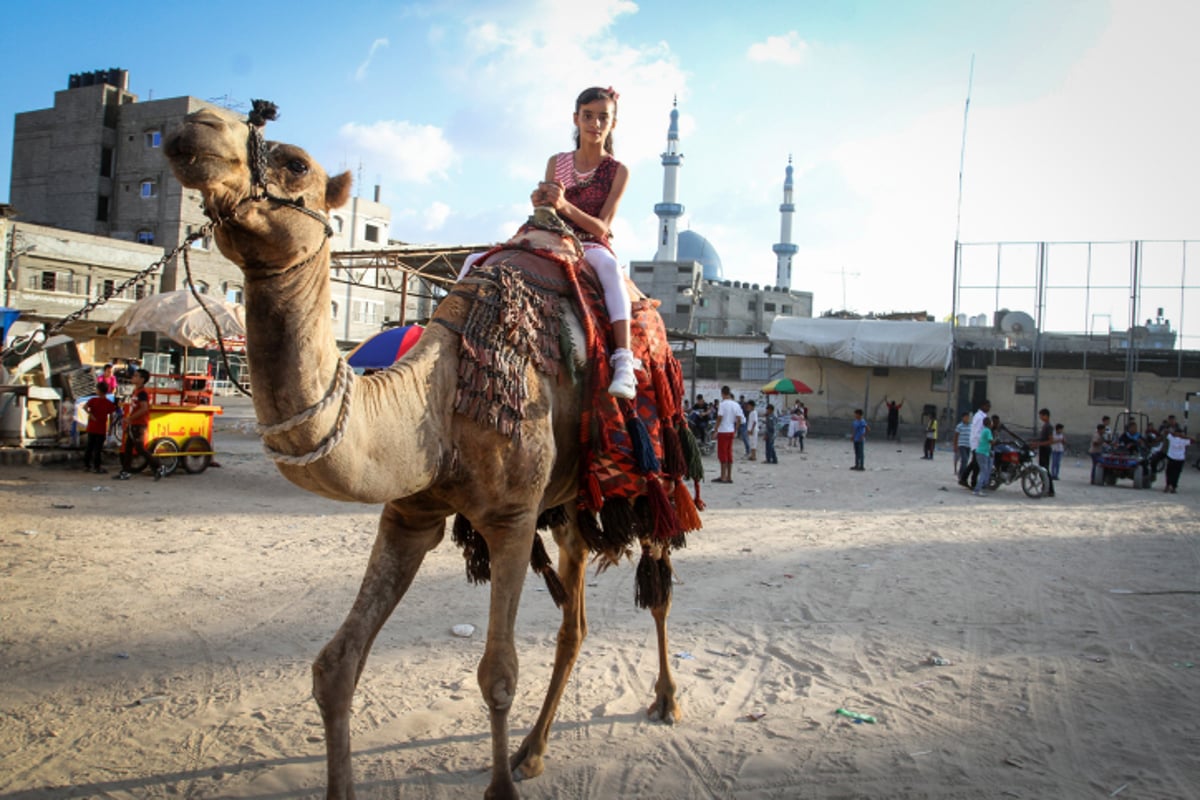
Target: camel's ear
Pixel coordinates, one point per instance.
(337, 191)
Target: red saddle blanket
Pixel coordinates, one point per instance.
(630, 448)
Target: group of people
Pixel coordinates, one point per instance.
(1166, 443)
(739, 419)
(103, 409)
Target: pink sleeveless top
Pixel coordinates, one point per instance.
(587, 192)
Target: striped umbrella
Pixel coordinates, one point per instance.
(384, 348)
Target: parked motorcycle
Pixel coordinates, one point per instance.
(1013, 460)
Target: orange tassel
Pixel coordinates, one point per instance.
(685, 509)
(663, 397)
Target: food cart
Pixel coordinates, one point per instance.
(180, 430)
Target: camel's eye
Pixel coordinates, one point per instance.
(297, 167)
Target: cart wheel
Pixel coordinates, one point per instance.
(1097, 475)
(194, 465)
(165, 449)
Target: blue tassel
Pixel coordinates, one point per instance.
(643, 449)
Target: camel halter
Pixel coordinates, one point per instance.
(257, 157)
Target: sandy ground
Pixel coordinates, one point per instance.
(155, 641)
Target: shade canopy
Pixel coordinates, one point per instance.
(786, 386)
(179, 316)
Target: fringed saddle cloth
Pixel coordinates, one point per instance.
(635, 454)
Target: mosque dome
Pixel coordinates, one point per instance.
(694, 247)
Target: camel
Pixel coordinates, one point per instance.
(392, 438)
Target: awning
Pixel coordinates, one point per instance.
(866, 342)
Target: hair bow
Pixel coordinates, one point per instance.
(613, 93)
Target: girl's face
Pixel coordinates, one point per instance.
(596, 120)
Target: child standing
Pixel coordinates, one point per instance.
(983, 456)
(751, 429)
(135, 422)
(584, 186)
(930, 437)
(860, 440)
(99, 409)
(1058, 444)
(772, 425)
(729, 414)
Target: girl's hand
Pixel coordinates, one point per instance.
(550, 194)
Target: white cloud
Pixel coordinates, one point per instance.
(401, 150)
(361, 72)
(788, 50)
(436, 215)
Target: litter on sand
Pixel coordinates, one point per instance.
(463, 631)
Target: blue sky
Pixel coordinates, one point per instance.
(1082, 122)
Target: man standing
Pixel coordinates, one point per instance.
(860, 440)
(1044, 444)
(136, 421)
(893, 418)
(969, 475)
(729, 416)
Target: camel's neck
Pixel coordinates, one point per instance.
(293, 364)
(292, 353)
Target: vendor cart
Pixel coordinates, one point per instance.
(180, 430)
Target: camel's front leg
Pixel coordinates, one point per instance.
(665, 707)
(508, 548)
(400, 547)
(572, 557)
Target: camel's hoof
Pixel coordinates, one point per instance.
(666, 710)
(526, 765)
(502, 792)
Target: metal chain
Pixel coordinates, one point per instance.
(25, 344)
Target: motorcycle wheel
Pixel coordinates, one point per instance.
(1034, 482)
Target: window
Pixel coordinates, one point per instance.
(785, 309)
(201, 287)
(937, 380)
(643, 269)
(683, 287)
(145, 237)
(1108, 391)
(153, 138)
(149, 189)
(1024, 386)
(106, 162)
(140, 291)
(768, 306)
(371, 233)
(879, 372)
(233, 293)
(107, 288)
(53, 281)
(683, 308)
(753, 305)
(685, 270)
(365, 311)
(101, 209)
(338, 223)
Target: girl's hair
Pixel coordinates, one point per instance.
(591, 95)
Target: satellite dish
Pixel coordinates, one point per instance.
(1017, 323)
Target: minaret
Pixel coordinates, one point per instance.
(670, 210)
(785, 249)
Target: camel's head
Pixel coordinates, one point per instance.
(211, 151)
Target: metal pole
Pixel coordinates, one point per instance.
(1039, 307)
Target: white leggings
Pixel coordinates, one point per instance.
(610, 273)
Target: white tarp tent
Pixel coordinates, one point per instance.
(866, 342)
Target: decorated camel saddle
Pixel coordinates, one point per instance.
(535, 300)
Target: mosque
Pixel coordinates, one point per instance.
(688, 277)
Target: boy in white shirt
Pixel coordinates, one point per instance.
(752, 429)
(729, 416)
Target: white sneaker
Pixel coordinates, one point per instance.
(624, 382)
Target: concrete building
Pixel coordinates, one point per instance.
(93, 163)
